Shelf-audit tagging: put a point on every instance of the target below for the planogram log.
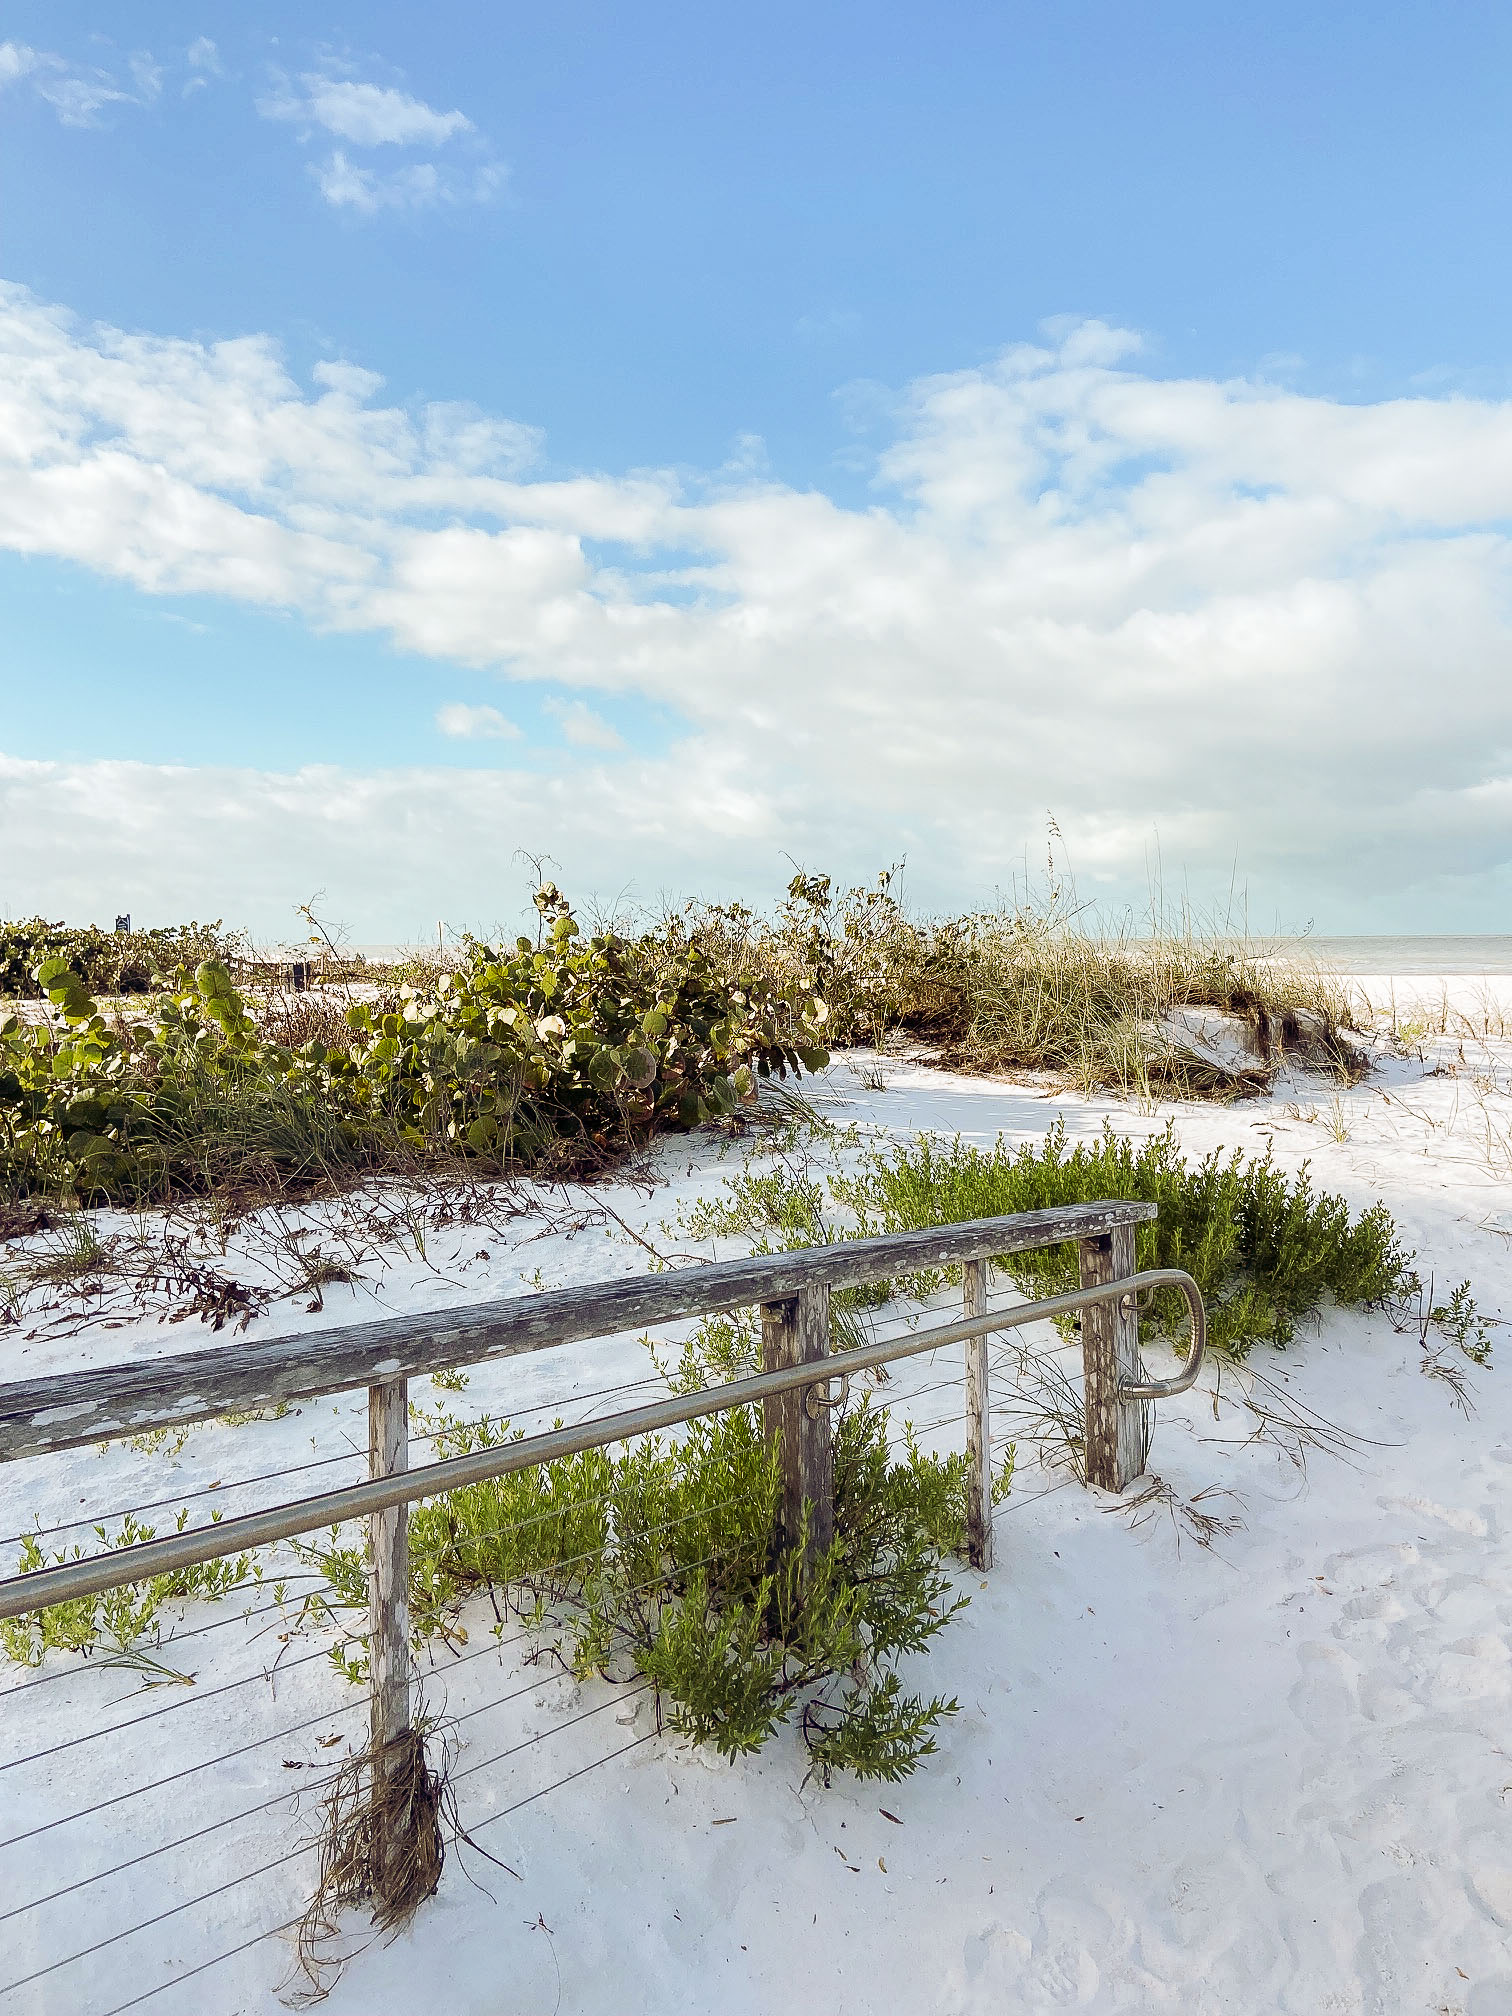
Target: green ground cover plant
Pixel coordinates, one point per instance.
(118, 1625)
(655, 1562)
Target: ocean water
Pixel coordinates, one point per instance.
(1466, 957)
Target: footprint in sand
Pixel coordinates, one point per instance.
(1329, 1691)
(1488, 1877)
(1461, 1520)
(1474, 1669)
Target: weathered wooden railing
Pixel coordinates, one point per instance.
(793, 1291)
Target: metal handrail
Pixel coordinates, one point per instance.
(1166, 1389)
(24, 1593)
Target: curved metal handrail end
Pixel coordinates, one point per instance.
(1165, 1389)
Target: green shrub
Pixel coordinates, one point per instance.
(657, 1560)
(1264, 1249)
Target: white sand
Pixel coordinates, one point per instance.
(1456, 1004)
(1269, 1776)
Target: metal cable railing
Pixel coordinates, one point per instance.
(351, 1455)
(793, 1390)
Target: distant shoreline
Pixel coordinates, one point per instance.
(1451, 956)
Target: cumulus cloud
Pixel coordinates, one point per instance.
(375, 116)
(1220, 618)
(475, 724)
(159, 839)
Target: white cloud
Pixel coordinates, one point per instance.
(202, 54)
(475, 724)
(421, 186)
(377, 116)
(78, 94)
(1265, 628)
(582, 727)
(147, 76)
(367, 115)
(79, 98)
(345, 186)
(16, 61)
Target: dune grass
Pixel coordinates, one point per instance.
(1036, 986)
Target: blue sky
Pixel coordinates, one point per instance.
(748, 265)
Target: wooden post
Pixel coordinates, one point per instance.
(978, 1426)
(388, 1574)
(796, 1332)
(1117, 1431)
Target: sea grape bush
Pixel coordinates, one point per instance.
(593, 1040)
(108, 962)
(552, 1055)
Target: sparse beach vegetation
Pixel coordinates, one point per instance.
(559, 1054)
(654, 1563)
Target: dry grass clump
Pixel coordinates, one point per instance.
(382, 1844)
(1039, 986)
(315, 1016)
(1105, 1010)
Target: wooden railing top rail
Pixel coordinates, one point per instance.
(65, 1409)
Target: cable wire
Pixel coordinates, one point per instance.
(149, 1854)
(168, 1708)
(204, 1966)
(146, 1924)
(545, 1735)
(494, 1645)
(111, 1661)
(939, 1386)
(289, 1924)
(183, 1497)
(173, 1777)
(557, 1784)
(353, 1455)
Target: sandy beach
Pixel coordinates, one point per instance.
(1232, 1768)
